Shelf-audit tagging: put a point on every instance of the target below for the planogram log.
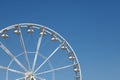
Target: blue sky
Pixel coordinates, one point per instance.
(92, 27)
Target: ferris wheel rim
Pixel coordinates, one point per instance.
(47, 28)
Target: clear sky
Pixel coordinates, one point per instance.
(92, 27)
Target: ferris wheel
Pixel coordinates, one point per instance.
(35, 52)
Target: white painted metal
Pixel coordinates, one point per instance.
(12, 56)
(37, 51)
(48, 58)
(60, 68)
(24, 49)
(12, 70)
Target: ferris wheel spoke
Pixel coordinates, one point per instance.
(48, 58)
(20, 78)
(24, 49)
(12, 70)
(12, 56)
(60, 68)
(40, 78)
(37, 51)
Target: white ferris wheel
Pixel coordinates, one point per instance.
(35, 52)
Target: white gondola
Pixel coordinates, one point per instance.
(76, 70)
(17, 31)
(63, 47)
(43, 33)
(71, 57)
(54, 38)
(4, 35)
(30, 30)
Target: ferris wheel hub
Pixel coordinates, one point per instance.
(29, 76)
